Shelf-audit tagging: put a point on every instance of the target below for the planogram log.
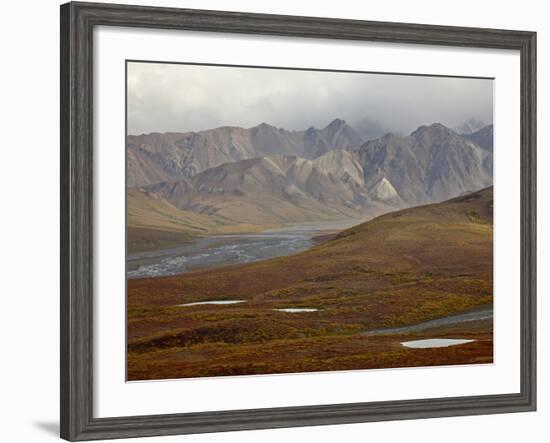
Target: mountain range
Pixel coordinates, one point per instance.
(274, 189)
(469, 126)
(266, 175)
(159, 157)
(432, 164)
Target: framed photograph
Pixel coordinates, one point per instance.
(273, 221)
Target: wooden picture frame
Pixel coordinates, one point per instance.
(77, 23)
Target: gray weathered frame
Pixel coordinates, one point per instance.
(77, 23)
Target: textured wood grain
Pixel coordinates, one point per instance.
(77, 22)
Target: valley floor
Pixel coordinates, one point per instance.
(400, 269)
(211, 251)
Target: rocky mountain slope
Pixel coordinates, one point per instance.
(276, 189)
(153, 158)
(483, 138)
(432, 164)
(469, 126)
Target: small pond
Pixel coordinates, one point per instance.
(435, 343)
(214, 302)
(296, 309)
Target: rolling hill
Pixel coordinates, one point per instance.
(401, 268)
(154, 223)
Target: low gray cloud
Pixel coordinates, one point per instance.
(174, 97)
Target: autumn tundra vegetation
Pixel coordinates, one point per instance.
(359, 287)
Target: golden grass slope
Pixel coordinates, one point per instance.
(155, 223)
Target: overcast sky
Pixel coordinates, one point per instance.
(173, 97)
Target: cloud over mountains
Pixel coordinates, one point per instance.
(182, 98)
